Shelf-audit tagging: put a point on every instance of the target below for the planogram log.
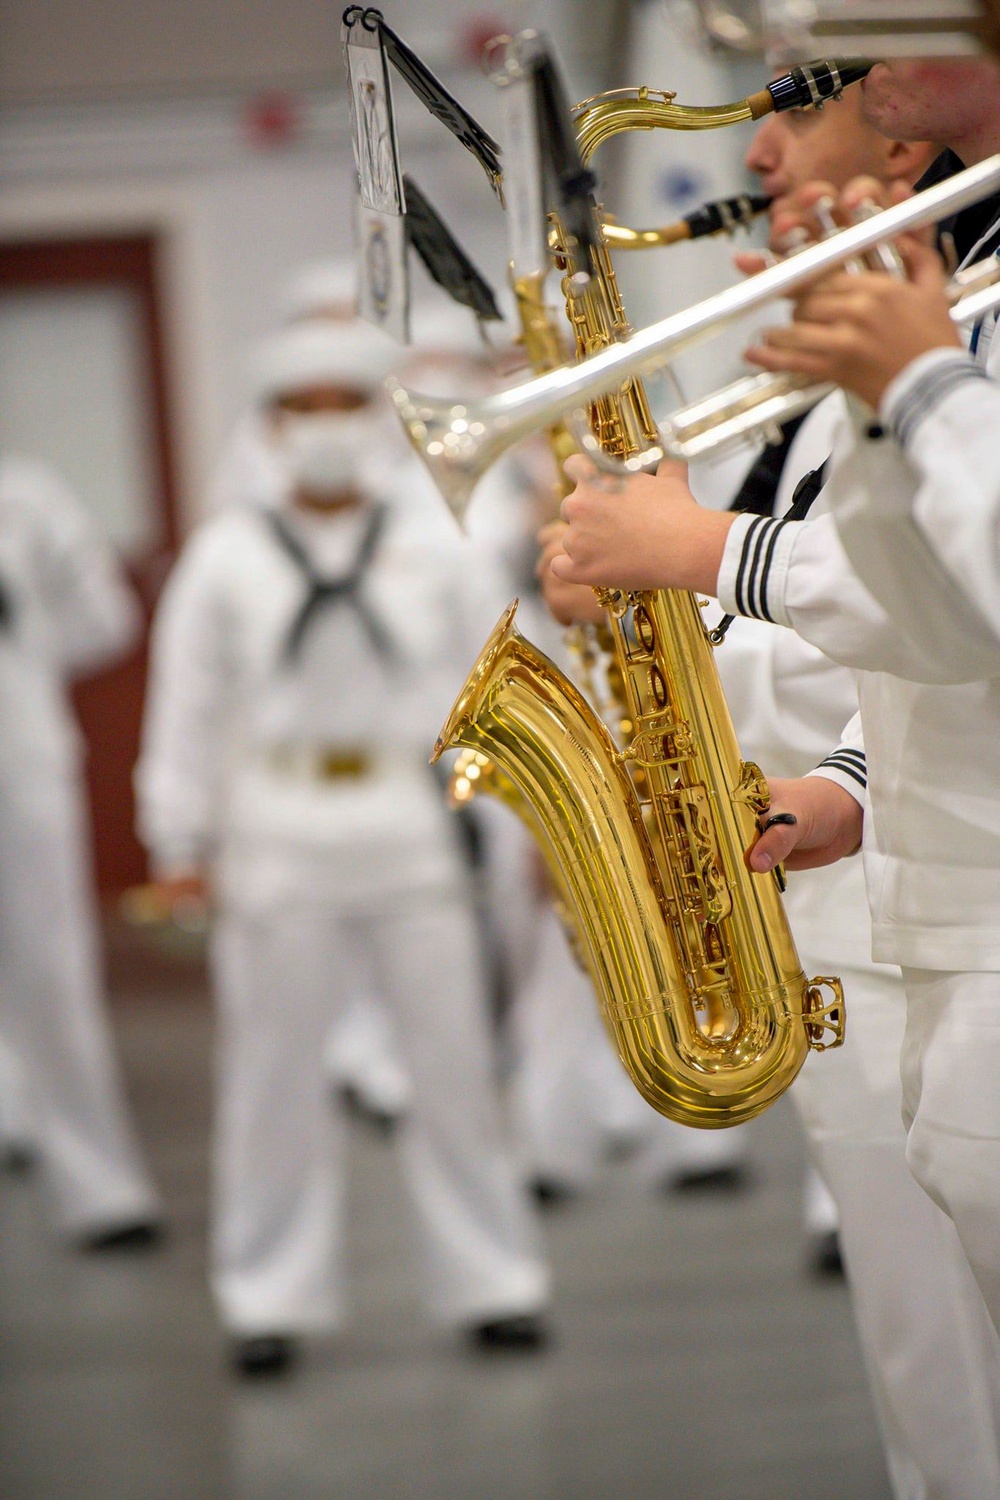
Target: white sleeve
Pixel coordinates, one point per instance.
(788, 700)
(798, 574)
(846, 765)
(179, 775)
(92, 610)
(918, 508)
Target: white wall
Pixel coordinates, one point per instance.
(237, 219)
(668, 173)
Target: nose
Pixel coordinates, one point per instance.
(764, 152)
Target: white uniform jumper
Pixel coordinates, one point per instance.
(916, 495)
(66, 611)
(928, 545)
(295, 752)
(929, 1347)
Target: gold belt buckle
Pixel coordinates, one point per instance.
(335, 765)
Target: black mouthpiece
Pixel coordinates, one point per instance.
(810, 86)
(726, 215)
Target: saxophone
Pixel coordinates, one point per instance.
(644, 836)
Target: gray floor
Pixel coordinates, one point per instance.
(695, 1359)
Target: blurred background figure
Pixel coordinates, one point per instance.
(65, 610)
(362, 1051)
(249, 470)
(304, 655)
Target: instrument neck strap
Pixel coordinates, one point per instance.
(758, 490)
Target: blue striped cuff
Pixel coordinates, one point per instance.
(915, 398)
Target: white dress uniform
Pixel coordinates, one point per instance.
(932, 837)
(242, 747)
(931, 1353)
(927, 545)
(67, 611)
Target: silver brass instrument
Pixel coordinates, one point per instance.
(783, 29)
(459, 441)
(753, 407)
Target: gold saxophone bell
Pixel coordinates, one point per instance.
(696, 971)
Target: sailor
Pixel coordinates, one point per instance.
(304, 658)
(928, 555)
(65, 611)
(362, 1050)
(931, 1357)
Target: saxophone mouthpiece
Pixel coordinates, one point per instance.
(811, 85)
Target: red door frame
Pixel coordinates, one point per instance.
(110, 704)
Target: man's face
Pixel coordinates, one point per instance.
(829, 145)
(935, 99)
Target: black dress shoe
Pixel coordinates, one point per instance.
(521, 1333)
(709, 1180)
(825, 1257)
(144, 1235)
(264, 1355)
(551, 1192)
(380, 1122)
(18, 1158)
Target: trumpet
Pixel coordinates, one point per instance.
(459, 441)
(756, 406)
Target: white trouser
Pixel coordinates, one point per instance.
(951, 1107)
(819, 1208)
(282, 977)
(54, 1022)
(931, 1353)
(362, 1054)
(17, 1129)
(573, 1097)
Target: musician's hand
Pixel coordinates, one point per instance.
(569, 603)
(828, 825)
(644, 532)
(861, 331)
(182, 897)
(792, 225)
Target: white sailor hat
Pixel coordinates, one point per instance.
(320, 353)
(321, 288)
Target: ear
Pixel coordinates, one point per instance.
(907, 161)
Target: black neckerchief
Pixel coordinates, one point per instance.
(965, 229)
(757, 493)
(323, 593)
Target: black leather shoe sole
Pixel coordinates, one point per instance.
(524, 1333)
(825, 1257)
(264, 1356)
(713, 1180)
(124, 1237)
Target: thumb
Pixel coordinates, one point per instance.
(922, 262)
(562, 566)
(775, 844)
(579, 468)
